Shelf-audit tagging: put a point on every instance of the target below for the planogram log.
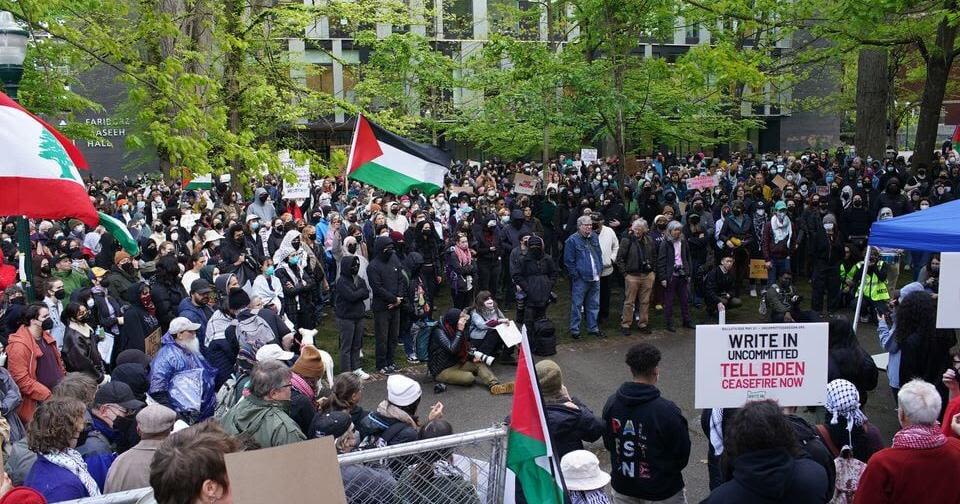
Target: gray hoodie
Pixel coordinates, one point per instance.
(265, 211)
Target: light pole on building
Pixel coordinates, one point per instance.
(13, 50)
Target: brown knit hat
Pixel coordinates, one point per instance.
(550, 378)
(309, 364)
(119, 256)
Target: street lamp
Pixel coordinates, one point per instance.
(13, 50)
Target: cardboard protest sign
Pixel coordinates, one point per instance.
(461, 189)
(948, 295)
(588, 155)
(525, 184)
(701, 182)
(779, 182)
(758, 269)
(301, 188)
(753, 362)
(151, 344)
(280, 474)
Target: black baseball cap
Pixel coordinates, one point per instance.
(200, 286)
(116, 392)
(334, 423)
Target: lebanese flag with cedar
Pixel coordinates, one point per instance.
(393, 163)
(529, 451)
(40, 169)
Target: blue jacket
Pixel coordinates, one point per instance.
(576, 257)
(196, 314)
(54, 482)
(172, 360)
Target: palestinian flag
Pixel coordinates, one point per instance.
(120, 232)
(39, 169)
(529, 452)
(393, 163)
(199, 182)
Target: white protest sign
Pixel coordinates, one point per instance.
(948, 295)
(301, 188)
(588, 155)
(752, 362)
(509, 334)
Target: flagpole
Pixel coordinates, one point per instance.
(353, 148)
(554, 464)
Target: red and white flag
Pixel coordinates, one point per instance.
(40, 169)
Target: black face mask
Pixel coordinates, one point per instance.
(60, 294)
(127, 267)
(18, 300)
(296, 244)
(311, 236)
(46, 325)
(352, 248)
(388, 253)
(785, 283)
(858, 203)
(737, 211)
(536, 252)
(263, 198)
(123, 423)
(355, 268)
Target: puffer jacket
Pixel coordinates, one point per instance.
(444, 350)
(172, 360)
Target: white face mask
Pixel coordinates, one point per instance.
(924, 206)
(90, 303)
(490, 303)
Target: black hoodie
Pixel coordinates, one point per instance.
(351, 291)
(648, 441)
(385, 275)
(772, 476)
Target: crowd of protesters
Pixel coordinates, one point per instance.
(212, 320)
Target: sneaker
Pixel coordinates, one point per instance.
(597, 334)
(575, 335)
(645, 330)
(361, 374)
(412, 359)
(658, 307)
(387, 370)
(501, 388)
(625, 331)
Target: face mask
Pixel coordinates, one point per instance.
(46, 325)
(737, 211)
(173, 222)
(157, 199)
(174, 236)
(78, 229)
(785, 283)
(355, 268)
(270, 271)
(263, 198)
(294, 260)
(254, 226)
(352, 248)
(828, 226)
(858, 203)
(60, 294)
(489, 304)
(924, 206)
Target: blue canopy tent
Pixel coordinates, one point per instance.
(936, 229)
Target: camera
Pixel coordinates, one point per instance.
(795, 299)
(646, 267)
(484, 358)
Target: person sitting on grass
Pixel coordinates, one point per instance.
(452, 361)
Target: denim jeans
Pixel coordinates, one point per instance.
(586, 295)
(777, 268)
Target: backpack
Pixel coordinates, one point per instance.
(421, 331)
(230, 393)
(252, 333)
(544, 340)
(849, 469)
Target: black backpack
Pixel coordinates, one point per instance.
(543, 339)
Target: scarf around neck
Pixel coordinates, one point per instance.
(71, 460)
(920, 437)
(781, 230)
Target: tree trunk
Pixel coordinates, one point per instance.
(939, 60)
(231, 69)
(872, 100)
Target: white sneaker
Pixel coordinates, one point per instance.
(753, 292)
(361, 374)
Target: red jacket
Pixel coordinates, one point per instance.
(901, 475)
(22, 354)
(8, 275)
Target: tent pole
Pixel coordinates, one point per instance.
(863, 281)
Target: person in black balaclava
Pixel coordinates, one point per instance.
(385, 274)
(893, 199)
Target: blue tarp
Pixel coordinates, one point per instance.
(936, 229)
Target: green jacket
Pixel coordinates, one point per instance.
(117, 282)
(72, 280)
(266, 422)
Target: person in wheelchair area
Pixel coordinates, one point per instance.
(783, 302)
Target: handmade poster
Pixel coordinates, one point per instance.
(509, 334)
(588, 155)
(701, 182)
(948, 295)
(301, 188)
(738, 363)
(298, 473)
(758, 269)
(525, 184)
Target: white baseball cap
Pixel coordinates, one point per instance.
(273, 351)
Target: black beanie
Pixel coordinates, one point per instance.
(238, 299)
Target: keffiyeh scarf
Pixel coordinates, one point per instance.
(920, 437)
(72, 461)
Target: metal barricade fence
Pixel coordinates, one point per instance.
(469, 467)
